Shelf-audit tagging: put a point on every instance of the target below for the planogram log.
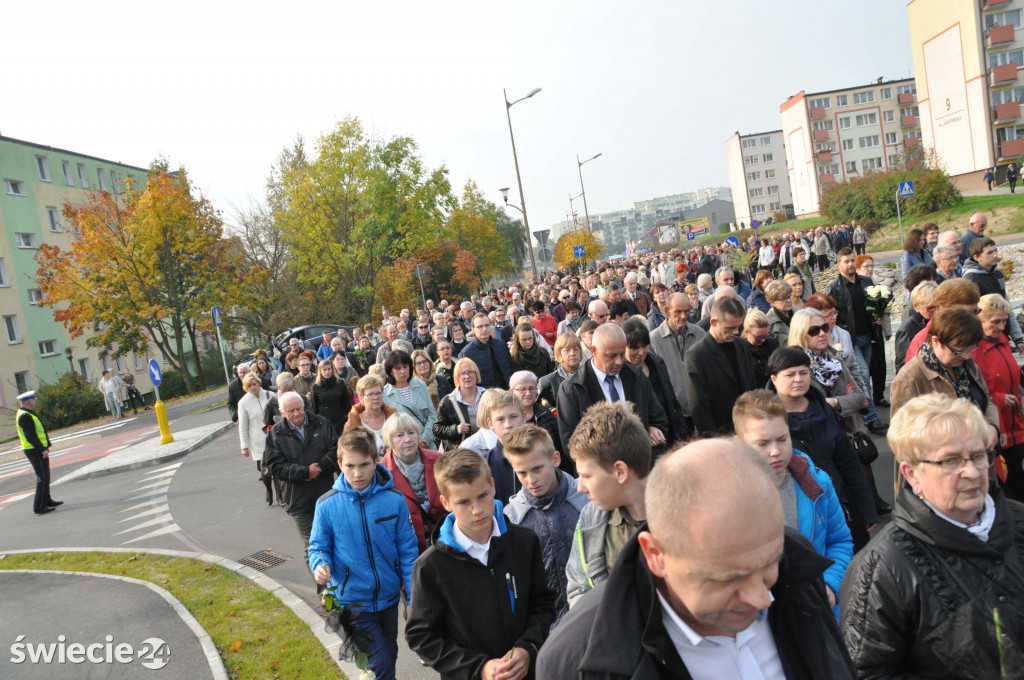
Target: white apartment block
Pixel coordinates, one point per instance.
(832, 137)
(758, 175)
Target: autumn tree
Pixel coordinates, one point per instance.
(355, 208)
(565, 248)
(145, 270)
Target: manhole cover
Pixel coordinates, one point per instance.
(263, 560)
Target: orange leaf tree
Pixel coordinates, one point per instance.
(145, 269)
(568, 241)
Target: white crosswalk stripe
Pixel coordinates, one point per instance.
(15, 467)
(150, 511)
(170, 529)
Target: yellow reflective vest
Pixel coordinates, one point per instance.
(40, 431)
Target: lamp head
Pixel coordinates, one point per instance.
(504, 194)
(533, 92)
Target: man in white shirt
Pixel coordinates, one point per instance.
(712, 588)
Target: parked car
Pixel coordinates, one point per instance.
(309, 336)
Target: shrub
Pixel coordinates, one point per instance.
(69, 401)
(172, 385)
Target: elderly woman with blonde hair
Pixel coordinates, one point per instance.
(937, 592)
(412, 472)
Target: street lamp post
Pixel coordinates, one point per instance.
(519, 180)
(579, 167)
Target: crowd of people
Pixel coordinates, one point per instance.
(662, 467)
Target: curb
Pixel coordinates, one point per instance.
(150, 462)
(209, 648)
(330, 641)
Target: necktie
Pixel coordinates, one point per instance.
(614, 393)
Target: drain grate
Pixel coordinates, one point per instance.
(263, 560)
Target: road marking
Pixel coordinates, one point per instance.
(162, 519)
(81, 433)
(153, 534)
(160, 482)
(152, 511)
(158, 492)
(14, 497)
(155, 501)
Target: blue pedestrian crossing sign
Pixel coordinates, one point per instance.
(579, 251)
(215, 311)
(906, 189)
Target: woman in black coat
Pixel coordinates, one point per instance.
(569, 356)
(329, 396)
(638, 345)
(456, 413)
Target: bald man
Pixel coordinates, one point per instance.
(607, 377)
(714, 562)
(975, 230)
(671, 340)
(598, 311)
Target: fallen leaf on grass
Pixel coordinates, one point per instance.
(235, 646)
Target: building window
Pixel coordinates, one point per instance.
(15, 187)
(842, 100)
(1007, 57)
(863, 97)
(749, 143)
(909, 111)
(103, 179)
(43, 166)
(4, 282)
(25, 239)
(105, 363)
(768, 157)
(751, 160)
(873, 164)
(868, 142)
(13, 331)
(893, 160)
(822, 125)
(769, 174)
(68, 179)
(773, 190)
(888, 116)
(890, 137)
(847, 145)
(851, 167)
(35, 296)
(823, 102)
(1008, 18)
(53, 215)
(1013, 94)
(82, 181)
(48, 348)
(757, 192)
(131, 179)
(85, 369)
(115, 183)
(867, 119)
(21, 381)
(907, 89)
(140, 363)
(776, 206)
(828, 169)
(827, 146)
(766, 141)
(844, 122)
(753, 176)
(886, 93)
(916, 134)
(757, 209)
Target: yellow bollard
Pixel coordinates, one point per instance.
(161, 418)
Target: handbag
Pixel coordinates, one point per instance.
(865, 448)
(458, 414)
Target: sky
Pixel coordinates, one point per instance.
(221, 87)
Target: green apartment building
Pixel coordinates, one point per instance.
(37, 181)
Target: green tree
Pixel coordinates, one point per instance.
(351, 211)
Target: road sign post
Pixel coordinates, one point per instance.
(215, 313)
(905, 189)
(420, 271)
(161, 412)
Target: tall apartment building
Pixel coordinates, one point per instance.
(967, 60)
(758, 175)
(834, 136)
(37, 181)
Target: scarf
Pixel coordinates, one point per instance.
(825, 368)
(531, 360)
(564, 374)
(415, 475)
(959, 377)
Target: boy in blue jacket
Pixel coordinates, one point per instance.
(809, 501)
(364, 546)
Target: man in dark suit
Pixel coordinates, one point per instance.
(604, 378)
(718, 370)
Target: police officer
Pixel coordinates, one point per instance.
(36, 445)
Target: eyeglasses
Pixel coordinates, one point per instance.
(525, 390)
(954, 465)
(757, 338)
(962, 353)
(814, 330)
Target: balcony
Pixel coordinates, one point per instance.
(820, 134)
(911, 142)
(999, 35)
(828, 178)
(1011, 149)
(1007, 113)
(906, 98)
(908, 121)
(992, 4)
(817, 112)
(1003, 75)
(824, 156)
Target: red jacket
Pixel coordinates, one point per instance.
(416, 514)
(916, 343)
(548, 327)
(998, 365)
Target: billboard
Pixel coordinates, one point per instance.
(698, 227)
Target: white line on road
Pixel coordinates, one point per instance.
(153, 534)
(162, 519)
(160, 482)
(152, 511)
(155, 501)
(158, 492)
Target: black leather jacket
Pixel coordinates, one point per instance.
(919, 601)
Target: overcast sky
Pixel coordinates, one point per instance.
(220, 88)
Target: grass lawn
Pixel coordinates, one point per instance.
(257, 636)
